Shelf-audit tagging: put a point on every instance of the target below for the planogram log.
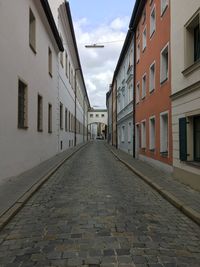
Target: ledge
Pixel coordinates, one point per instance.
(191, 68)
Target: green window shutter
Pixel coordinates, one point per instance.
(183, 139)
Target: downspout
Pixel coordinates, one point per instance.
(134, 90)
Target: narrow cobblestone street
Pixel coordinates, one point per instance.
(95, 212)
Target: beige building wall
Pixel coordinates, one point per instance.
(185, 86)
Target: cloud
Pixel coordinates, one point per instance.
(99, 64)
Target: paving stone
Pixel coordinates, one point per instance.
(94, 211)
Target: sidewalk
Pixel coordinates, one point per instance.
(181, 196)
(15, 191)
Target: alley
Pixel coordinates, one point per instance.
(95, 212)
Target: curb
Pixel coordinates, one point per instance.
(189, 212)
(20, 202)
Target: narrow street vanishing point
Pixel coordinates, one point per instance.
(95, 212)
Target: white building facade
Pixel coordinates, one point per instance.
(125, 89)
(185, 47)
(31, 93)
(97, 123)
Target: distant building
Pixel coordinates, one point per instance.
(97, 123)
(151, 23)
(109, 109)
(37, 109)
(124, 79)
(185, 57)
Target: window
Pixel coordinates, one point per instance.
(22, 105)
(32, 31)
(69, 120)
(50, 62)
(66, 64)
(97, 115)
(61, 116)
(102, 115)
(49, 118)
(138, 52)
(61, 59)
(66, 120)
(123, 99)
(164, 5)
(130, 93)
(144, 39)
(197, 138)
(69, 72)
(164, 65)
(153, 21)
(164, 133)
(137, 93)
(192, 40)
(152, 132)
(129, 131)
(152, 77)
(40, 114)
(91, 115)
(123, 134)
(197, 43)
(144, 86)
(143, 134)
(143, 16)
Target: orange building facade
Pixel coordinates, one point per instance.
(153, 128)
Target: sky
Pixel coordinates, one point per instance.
(99, 21)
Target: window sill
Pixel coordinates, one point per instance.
(191, 68)
(164, 10)
(164, 81)
(164, 154)
(195, 164)
(152, 34)
(22, 127)
(151, 91)
(33, 49)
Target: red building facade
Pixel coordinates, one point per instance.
(153, 128)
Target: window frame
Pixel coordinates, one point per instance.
(24, 125)
(40, 113)
(152, 32)
(154, 82)
(32, 31)
(144, 92)
(163, 80)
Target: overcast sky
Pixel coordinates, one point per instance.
(100, 21)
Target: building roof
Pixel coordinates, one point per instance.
(75, 46)
(52, 24)
(137, 11)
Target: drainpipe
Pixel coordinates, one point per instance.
(75, 106)
(134, 88)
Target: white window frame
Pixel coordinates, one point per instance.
(163, 5)
(162, 80)
(162, 147)
(138, 52)
(144, 88)
(152, 145)
(138, 92)
(122, 133)
(129, 131)
(152, 88)
(143, 134)
(152, 30)
(144, 39)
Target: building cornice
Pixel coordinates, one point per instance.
(186, 90)
(52, 24)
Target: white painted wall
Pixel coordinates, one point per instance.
(189, 102)
(125, 101)
(23, 149)
(20, 149)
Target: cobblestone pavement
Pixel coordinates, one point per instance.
(95, 212)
